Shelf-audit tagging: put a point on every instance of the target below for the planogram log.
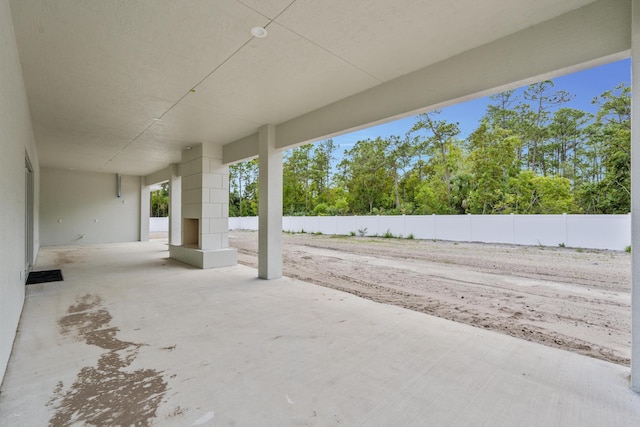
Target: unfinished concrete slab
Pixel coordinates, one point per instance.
(132, 337)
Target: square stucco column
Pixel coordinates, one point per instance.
(269, 205)
(635, 196)
(145, 210)
(205, 209)
(175, 206)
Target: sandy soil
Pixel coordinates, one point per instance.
(578, 300)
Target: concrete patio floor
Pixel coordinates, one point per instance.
(131, 337)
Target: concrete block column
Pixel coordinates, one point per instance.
(635, 196)
(269, 205)
(205, 209)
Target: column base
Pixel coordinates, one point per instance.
(203, 258)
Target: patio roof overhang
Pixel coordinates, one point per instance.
(124, 87)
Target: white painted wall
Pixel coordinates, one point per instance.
(158, 224)
(16, 138)
(579, 231)
(75, 204)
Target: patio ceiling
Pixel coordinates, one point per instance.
(99, 73)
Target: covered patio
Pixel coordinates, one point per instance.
(132, 336)
(100, 100)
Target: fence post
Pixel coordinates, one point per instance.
(435, 229)
(470, 229)
(566, 230)
(513, 228)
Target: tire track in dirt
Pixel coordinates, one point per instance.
(545, 312)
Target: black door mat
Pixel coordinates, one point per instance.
(44, 277)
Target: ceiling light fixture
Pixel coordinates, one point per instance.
(259, 32)
(188, 147)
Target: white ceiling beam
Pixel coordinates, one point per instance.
(240, 150)
(595, 34)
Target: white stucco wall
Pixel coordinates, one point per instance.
(82, 208)
(16, 139)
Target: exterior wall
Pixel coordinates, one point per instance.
(82, 208)
(580, 231)
(16, 139)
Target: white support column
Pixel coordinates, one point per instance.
(269, 205)
(635, 196)
(145, 209)
(175, 206)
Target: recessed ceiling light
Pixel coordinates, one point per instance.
(188, 147)
(259, 32)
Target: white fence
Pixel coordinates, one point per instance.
(158, 224)
(579, 231)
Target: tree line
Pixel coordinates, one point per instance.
(530, 154)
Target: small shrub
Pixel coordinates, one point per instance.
(562, 245)
(628, 249)
(321, 210)
(579, 250)
(352, 233)
(410, 236)
(318, 233)
(362, 232)
(388, 235)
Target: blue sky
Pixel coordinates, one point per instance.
(584, 85)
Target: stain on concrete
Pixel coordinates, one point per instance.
(67, 257)
(105, 394)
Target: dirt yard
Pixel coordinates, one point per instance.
(574, 299)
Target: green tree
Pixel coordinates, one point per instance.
(243, 188)
(535, 194)
(567, 134)
(542, 99)
(610, 191)
(366, 176)
(320, 171)
(400, 152)
(493, 161)
(296, 170)
(160, 201)
(439, 142)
